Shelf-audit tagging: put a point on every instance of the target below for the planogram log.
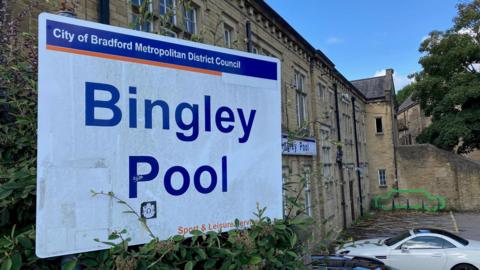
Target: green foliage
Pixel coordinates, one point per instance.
(18, 97)
(448, 87)
(267, 244)
(403, 94)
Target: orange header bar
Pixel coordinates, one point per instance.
(132, 60)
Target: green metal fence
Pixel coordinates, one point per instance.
(414, 199)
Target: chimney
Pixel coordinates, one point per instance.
(388, 84)
(389, 72)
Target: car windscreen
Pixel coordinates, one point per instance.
(393, 240)
(444, 233)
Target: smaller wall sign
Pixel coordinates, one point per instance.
(299, 147)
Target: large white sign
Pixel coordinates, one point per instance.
(187, 134)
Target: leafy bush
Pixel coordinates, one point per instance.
(267, 244)
(18, 96)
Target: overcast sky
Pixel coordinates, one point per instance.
(364, 37)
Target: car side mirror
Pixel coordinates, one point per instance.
(404, 249)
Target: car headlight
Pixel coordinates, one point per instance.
(344, 252)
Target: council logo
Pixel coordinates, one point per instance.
(148, 210)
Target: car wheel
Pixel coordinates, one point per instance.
(464, 266)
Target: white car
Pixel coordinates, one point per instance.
(419, 249)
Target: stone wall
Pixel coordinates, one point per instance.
(411, 122)
(475, 155)
(452, 176)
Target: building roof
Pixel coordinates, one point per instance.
(407, 103)
(277, 19)
(372, 88)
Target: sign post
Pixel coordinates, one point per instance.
(186, 134)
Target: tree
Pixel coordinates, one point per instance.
(403, 94)
(448, 87)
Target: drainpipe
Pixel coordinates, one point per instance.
(356, 155)
(395, 139)
(104, 11)
(248, 28)
(393, 108)
(339, 158)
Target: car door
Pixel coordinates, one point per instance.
(419, 253)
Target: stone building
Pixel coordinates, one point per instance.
(381, 131)
(320, 107)
(412, 121)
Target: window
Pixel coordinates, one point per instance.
(347, 125)
(308, 197)
(444, 233)
(321, 92)
(301, 110)
(393, 240)
(227, 36)
(139, 22)
(427, 242)
(301, 98)
(191, 20)
(167, 9)
(331, 96)
(326, 157)
(382, 179)
(299, 81)
(378, 125)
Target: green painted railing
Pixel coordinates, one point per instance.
(431, 203)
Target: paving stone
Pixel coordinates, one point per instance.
(388, 224)
(468, 225)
